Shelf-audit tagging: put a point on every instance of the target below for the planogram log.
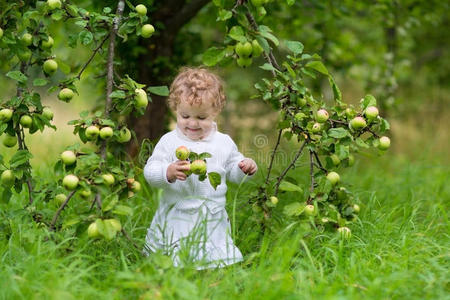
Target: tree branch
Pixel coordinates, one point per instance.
(60, 209)
(187, 12)
(272, 157)
(92, 56)
(311, 174)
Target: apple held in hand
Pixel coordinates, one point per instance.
(9, 140)
(50, 66)
(47, 113)
(198, 167)
(70, 182)
(147, 30)
(92, 132)
(333, 177)
(124, 135)
(182, 153)
(141, 98)
(385, 143)
(26, 121)
(345, 232)
(310, 210)
(6, 114)
(322, 116)
(65, 94)
(357, 123)
(108, 179)
(68, 157)
(7, 178)
(141, 9)
(106, 132)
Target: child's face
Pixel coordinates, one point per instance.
(195, 121)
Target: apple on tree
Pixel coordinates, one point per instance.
(68, 157)
(7, 178)
(371, 112)
(24, 55)
(26, 121)
(93, 230)
(48, 43)
(124, 135)
(385, 143)
(335, 159)
(357, 123)
(141, 9)
(243, 49)
(9, 140)
(60, 199)
(54, 4)
(50, 66)
(114, 224)
(136, 186)
(257, 49)
(147, 30)
(92, 132)
(70, 182)
(182, 153)
(106, 132)
(85, 193)
(65, 94)
(108, 179)
(47, 113)
(274, 200)
(333, 177)
(1, 32)
(356, 208)
(27, 39)
(141, 98)
(316, 128)
(322, 116)
(6, 114)
(345, 232)
(244, 61)
(310, 210)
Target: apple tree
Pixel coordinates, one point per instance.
(329, 133)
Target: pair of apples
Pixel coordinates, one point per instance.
(198, 166)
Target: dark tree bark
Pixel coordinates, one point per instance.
(170, 16)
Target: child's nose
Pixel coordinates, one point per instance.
(193, 122)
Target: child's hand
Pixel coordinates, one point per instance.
(175, 170)
(248, 166)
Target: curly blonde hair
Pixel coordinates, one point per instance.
(197, 85)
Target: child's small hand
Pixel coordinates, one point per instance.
(175, 170)
(248, 166)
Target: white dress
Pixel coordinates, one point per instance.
(191, 223)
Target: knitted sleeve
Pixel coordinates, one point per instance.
(156, 167)
(234, 173)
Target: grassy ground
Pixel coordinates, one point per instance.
(399, 250)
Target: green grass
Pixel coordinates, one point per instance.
(399, 250)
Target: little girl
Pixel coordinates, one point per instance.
(191, 224)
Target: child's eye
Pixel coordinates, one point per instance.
(201, 118)
(185, 117)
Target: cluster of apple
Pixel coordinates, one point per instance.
(106, 228)
(246, 51)
(147, 30)
(197, 166)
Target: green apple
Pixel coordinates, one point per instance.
(301, 101)
(244, 49)
(333, 177)
(47, 113)
(356, 208)
(108, 179)
(114, 223)
(322, 116)
(310, 210)
(257, 49)
(1, 33)
(70, 182)
(274, 200)
(65, 94)
(50, 66)
(189, 171)
(136, 186)
(48, 43)
(357, 123)
(244, 62)
(86, 193)
(147, 30)
(385, 143)
(341, 193)
(7, 178)
(198, 167)
(141, 98)
(345, 232)
(350, 112)
(26, 121)
(54, 4)
(371, 112)
(182, 153)
(24, 55)
(335, 159)
(9, 140)
(124, 135)
(106, 132)
(92, 132)
(93, 230)
(27, 39)
(60, 199)
(317, 127)
(141, 9)
(6, 114)
(68, 157)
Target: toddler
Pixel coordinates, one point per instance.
(191, 223)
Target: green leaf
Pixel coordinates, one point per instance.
(336, 91)
(73, 220)
(295, 47)
(85, 37)
(361, 143)
(286, 186)
(237, 33)
(368, 100)
(118, 94)
(384, 125)
(294, 209)
(318, 66)
(18, 76)
(40, 82)
(123, 210)
(268, 67)
(204, 155)
(215, 179)
(109, 231)
(159, 90)
(224, 15)
(213, 55)
(19, 158)
(266, 32)
(338, 133)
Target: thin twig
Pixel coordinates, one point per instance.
(128, 238)
(60, 209)
(311, 174)
(92, 57)
(272, 157)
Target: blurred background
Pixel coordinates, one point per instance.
(396, 50)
